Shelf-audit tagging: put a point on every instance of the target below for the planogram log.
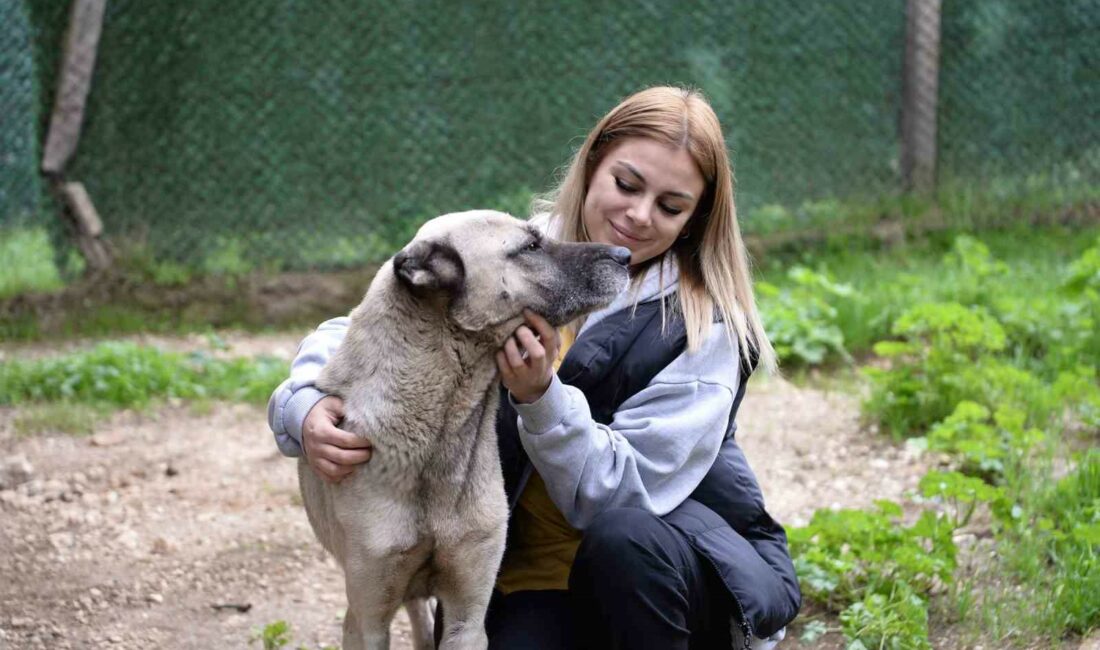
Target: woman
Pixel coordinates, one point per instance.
(636, 521)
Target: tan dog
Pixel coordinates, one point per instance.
(417, 372)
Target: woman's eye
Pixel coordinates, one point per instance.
(624, 186)
(671, 210)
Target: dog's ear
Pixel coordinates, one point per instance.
(429, 265)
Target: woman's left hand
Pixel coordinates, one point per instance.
(528, 376)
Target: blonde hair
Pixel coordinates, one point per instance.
(713, 262)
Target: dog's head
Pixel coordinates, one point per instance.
(485, 267)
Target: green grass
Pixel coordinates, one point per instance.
(1053, 547)
(957, 204)
(142, 293)
(1042, 581)
(128, 375)
(28, 262)
(58, 417)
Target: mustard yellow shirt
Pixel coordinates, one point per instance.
(543, 543)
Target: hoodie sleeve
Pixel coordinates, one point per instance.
(656, 450)
(293, 399)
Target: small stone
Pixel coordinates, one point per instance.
(61, 540)
(107, 439)
(15, 471)
(965, 540)
(128, 538)
(53, 489)
(155, 598)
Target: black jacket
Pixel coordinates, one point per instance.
(724, 518)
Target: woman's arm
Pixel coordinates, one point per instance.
(657, 449)
(295, 397)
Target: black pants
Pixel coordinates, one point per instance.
(636, 583)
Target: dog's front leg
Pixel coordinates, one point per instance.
(467, 572)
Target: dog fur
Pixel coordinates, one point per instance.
(417, 373)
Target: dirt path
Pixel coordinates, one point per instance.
(129, 538)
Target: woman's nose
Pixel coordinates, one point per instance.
(640, 211)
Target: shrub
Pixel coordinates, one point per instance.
(877, 572)
(972, 269)
(944, 358)
(985, 442)
(800, 320)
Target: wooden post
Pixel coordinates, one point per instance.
(85, 224)
(74, 82)
(920, 94)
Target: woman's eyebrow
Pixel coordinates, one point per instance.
(634, 170)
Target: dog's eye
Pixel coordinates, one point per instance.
(533, 246)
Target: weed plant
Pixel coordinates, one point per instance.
(129, 375)
(993, 365)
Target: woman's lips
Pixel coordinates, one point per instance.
(625, 235)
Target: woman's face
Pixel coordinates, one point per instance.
(641, 196)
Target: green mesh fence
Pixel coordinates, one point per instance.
(20, 189)
(1019, 111)
(289, 135)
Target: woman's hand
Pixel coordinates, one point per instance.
(527, 376)
(333, 453)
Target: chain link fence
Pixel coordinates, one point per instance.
(280, 134)
(1019, 109)
(20, 190)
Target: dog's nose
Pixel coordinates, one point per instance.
(621, 255)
